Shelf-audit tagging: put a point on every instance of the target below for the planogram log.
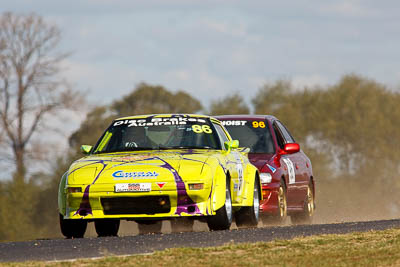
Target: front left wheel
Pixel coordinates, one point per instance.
(248, 216)
(72, 228)
(222, 220)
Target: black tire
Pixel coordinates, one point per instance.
(305, 217)
(149, 227)
(222, 220)
(281, 216)
(248, 216)
(72, 228)
(181, 225)
(106, 227)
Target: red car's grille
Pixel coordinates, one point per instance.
(136, 205)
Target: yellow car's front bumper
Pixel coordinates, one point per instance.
(101, 201)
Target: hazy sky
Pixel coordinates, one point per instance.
(209, 48)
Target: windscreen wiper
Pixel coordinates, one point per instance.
(183, 147)
(129, 149)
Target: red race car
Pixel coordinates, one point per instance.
(285, 171)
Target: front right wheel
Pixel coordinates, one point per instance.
(222, 220)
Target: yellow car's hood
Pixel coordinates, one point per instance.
(143, 166)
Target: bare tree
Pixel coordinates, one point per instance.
(30, 87)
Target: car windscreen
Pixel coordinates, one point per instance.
(254, 134)
(158, 133)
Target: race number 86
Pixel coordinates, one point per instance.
(257, 124)
(201, 129)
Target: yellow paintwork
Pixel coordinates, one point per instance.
(97, 175)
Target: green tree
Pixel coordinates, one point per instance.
(150, 99)
(357, 116)
(232, 104)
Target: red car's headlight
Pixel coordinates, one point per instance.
(265, 178)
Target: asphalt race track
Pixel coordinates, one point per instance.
(67, 249)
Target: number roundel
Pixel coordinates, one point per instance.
(201, 129)
(257, 124)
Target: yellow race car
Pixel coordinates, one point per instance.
(160, 167)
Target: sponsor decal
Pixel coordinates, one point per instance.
(273, 170)
(159, 121)
(123, 174)
(234, 123)
(139, 187)
(239, 168)
(290, 167)
(161, 184)
(235, 187)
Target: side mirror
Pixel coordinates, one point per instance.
(233, 144)
(86, 149)
(291, 148)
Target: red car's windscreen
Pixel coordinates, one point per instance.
(254, 134)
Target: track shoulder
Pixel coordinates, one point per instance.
(66, 249)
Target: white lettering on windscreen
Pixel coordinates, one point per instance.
(159, 121)
(234, 123)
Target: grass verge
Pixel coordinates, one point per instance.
(375, 248)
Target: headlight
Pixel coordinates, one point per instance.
(74, 189)
(265, 178)
(197, 186)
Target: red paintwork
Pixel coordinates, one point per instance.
(295, 192)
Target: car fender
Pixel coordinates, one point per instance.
(218, 183)
(62, 195)
(251, 177)
(219, 187)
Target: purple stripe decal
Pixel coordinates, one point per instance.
(183, 199)
(84, 207)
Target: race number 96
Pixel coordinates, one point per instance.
(257, 124)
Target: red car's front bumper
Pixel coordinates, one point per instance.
(269, 204)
